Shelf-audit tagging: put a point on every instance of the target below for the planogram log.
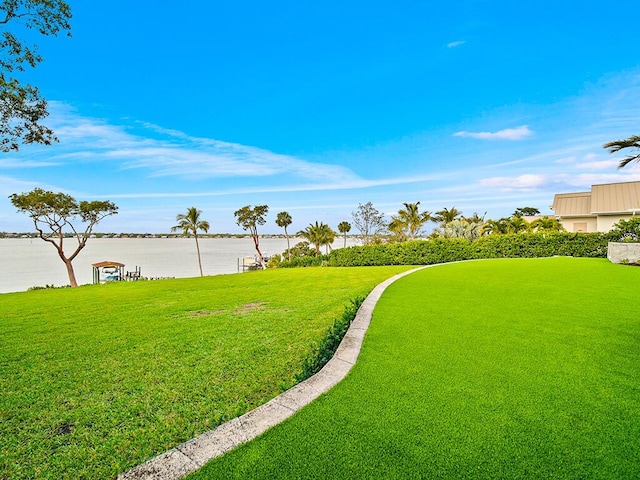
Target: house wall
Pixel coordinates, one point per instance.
(606, 222)
(573, 224)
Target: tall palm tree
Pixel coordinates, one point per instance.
(617, 145)
(344, 228)
(446, 215)
(283, 219)
(190, 223)
(411, 218)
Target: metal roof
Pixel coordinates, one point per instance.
(615, 197)
(608, 198)
(572, 204)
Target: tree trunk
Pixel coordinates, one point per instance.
(70, 272)
(288, 246)
(198, 250)
(257, 244)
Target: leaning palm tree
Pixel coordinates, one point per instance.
(617, 145)
(283, 219)
(344, 228)
(190, 223)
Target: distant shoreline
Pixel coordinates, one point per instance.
(10, 235)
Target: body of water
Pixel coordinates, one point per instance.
(28, 262)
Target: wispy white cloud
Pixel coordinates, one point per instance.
(456, 43)
(348, 184)
(521, 182)
(598, 165)
(165, 152)
(518, 133)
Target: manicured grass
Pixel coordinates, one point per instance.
(525, 368)
(97, 379)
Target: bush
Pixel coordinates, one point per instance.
(443, 250)
(626, 231)
(322, 352)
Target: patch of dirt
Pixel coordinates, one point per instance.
(205, 313)
(249, 307)
(65, 428)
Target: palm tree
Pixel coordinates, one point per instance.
(445, 215)
(283, 219)
(328, 236)
(344, 228)
(475, 218)
(617, 145)
(190, 223)
(517, 225)
(495, 227)
(547, 224)
(398, 228)
(411, 218)
(318, 234)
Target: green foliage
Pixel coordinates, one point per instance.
(369, 221)
(526, 212)
(22, 108)
(447, 215)
(442, 250)
(249, 218)
(409, 221)
(633, 143)
(54, 215)
(190, 223)
(626, 231)
(323, 351)
(318, 234)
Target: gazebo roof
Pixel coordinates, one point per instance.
(107, 263)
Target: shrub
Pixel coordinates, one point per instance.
(443, 250)
(626, 231)
(322, 352)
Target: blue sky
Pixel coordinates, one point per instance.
(314, 108)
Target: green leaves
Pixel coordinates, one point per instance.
(249, 218)
(53, 212)
(617, 145)
(21, 106)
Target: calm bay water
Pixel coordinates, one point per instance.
(30, 262)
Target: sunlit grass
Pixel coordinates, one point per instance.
(489, 369)
(96, 380)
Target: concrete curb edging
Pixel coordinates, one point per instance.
(192, 455)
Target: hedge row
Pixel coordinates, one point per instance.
(442, 250)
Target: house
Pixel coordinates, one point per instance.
(599, 209)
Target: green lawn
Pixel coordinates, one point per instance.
(97, 379)
(524, 368)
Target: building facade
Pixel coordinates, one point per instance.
(599, 209)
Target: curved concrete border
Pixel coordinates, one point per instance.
(192, 455)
